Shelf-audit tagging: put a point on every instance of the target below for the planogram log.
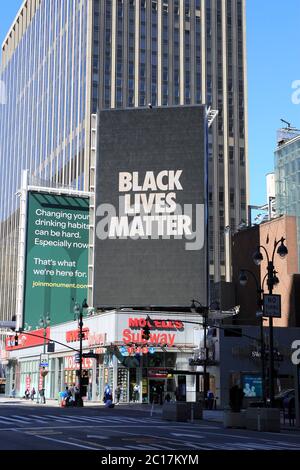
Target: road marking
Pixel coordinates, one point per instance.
(219, 446)
(65, 442)
(139, 447)
(196, 436)
(40, 419)
(4, 422)
(162, 447)
(21, 418)
(88, 442)
(14, 420)
(43, 432)
(119, 428)
(97, 437)
(170, 440)
(62, 419)
(282, 443)
(100, 420)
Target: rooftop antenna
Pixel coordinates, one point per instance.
(288, 124)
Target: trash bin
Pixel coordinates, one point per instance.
(195, 410)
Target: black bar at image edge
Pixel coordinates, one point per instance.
(136, 459)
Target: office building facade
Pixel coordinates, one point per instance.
(63, 60)
(287, 179)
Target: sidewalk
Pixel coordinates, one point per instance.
(87, 403)
(49, 402)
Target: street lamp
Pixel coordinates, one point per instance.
(44, 323)
(272, 280)
(78, 312)
(243, 280)
(204, 310)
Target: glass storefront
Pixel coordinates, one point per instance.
(29, 377)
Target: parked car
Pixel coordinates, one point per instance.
(284, 396)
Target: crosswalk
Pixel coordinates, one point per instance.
(20, 420)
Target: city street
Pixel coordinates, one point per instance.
(38, 427)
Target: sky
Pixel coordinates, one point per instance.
(273, 49)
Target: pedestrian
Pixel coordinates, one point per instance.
(160, 394)
(63, 397)
(136, 393)
(42, 396)
(68, 396)
(72, 391)
(121, 393)
(13, 392)
(33, 392)
(118, 394)
(210, 399)
(107, 393)
(27, 394)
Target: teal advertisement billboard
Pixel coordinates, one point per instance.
(56, 267)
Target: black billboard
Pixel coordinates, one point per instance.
(151, 213)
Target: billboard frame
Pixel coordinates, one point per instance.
(23, 193)
(209, 117)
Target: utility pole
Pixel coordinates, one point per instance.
(272, 280)
(44, 323)
(78, 311)
(243, 280)
(204, 310)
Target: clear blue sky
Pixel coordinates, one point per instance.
(273, 64)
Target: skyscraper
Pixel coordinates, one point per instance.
(287, 176)
(62, 60)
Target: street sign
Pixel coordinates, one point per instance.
(51, 347)
(77, 358)
(8, 324)
(44, 360)
(272, 305)
(90, 354)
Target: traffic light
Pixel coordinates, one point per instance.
(16, 340)
(146, 333)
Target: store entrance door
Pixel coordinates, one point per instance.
(157, 388)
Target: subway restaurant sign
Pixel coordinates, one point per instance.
(56, 270)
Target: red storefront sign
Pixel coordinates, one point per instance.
(70, 364)
(96, 339)
(158, 373)
(27, 340)
(162, 332)
(138, 323)
(40, 382)
(28, 380)
(73, 336)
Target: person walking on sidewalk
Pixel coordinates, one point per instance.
(13, 392)
(118, 394)
(107, 393)
(136, 393)
(33, 392)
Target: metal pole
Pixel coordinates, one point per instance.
(205, 358)
(263, 366)
(80, 355)
(271, 339)
(44, 351)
